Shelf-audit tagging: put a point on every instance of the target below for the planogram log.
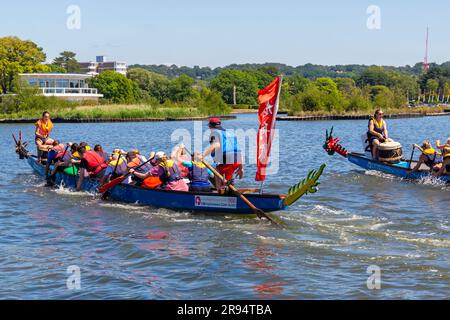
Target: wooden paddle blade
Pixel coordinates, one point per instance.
(111, 184)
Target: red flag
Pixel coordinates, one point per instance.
(268, 110)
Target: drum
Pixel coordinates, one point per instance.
(390, 152)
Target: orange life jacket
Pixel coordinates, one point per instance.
(134, 163)
(43, 128)
(151, 183)
(95, 163)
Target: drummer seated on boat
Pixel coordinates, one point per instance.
(445, 169)
(430, 157)
(377, 133)
(199, 175)
(167, 171)
(92, 165)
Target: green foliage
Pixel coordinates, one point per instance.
(67, 61)
(151, 84)
(180, 89)
(18, 56)
(246, 86)
(116, 87)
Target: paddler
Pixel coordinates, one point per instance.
(445, 155)
(167, 171)
(44, 127)
(224, 149)
(117, 166)
(198, 173)
(92, 165)
(430, 157)
(377, 132)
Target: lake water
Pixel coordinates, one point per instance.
(357, 219)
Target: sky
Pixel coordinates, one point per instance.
(218, 33)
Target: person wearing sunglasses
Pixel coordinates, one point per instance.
(377, 133)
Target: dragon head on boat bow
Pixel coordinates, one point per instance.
(308, 185)
(21, 147)
(332, 145)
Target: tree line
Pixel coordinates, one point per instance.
(308, 88)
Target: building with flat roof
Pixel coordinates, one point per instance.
(101, 64)
(68, 86)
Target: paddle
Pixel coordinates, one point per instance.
(259, 213)
(412, 155)
(119, 180)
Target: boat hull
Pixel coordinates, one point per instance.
(174, 200)
(400, 169)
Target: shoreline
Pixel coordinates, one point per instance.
(362, 117)
(106, 120)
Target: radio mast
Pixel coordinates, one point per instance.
(426, 65)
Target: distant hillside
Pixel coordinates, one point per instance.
(310, 71)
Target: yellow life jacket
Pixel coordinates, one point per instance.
(113, 163)
(199, 164)
(429, 152)
(377, 124)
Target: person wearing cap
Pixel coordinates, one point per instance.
(377, 132)
(167, 171)
(224, 150)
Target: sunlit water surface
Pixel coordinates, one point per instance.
(356, 220)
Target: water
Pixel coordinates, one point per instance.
(357, 219)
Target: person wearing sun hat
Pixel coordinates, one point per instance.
(225, 151)
(167, 171)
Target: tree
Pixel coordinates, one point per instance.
(153, 84)
(246, 86)
(180, 88)
(297, 84)
(18, 56)
(374, 76)
(116, 87)
(67, 61)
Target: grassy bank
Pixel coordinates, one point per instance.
(405, 110)
(115, 111)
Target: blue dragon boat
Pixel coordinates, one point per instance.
(185, 201)
(401, 168)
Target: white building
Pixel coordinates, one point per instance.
(63, 85)
(101, 64)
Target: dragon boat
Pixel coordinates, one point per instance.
(184, 201)
(399, 167)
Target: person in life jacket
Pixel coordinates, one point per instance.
(44, 127)
(168, 173)
(99, 149)
(199, 174)
(224, 150)
(446, 157)
(54, 154)
(430, 157)
(179, 155)
(92, 165)
(377, 132)
(117, 166)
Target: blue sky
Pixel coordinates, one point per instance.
(217, 33)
